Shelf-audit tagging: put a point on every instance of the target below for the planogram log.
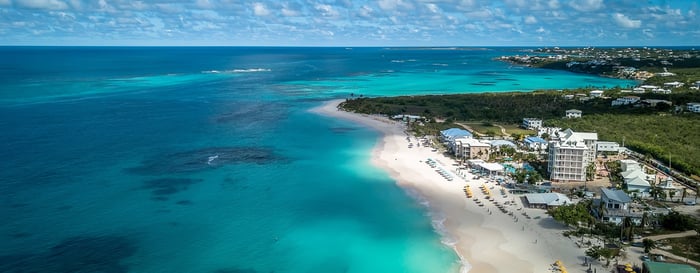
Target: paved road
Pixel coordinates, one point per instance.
(673, 235)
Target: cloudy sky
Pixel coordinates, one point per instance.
(350, 22)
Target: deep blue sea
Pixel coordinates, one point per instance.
(206, 159)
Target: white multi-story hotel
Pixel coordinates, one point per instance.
(569, 154)
(470, 148)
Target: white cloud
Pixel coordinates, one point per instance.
(42, 4)
(394, 4)
(289, 12)
(327, 10)
(365, 11)
(530, 19)
(260, 9)
(647, 32)
(204, 4)
(553, 4)
(432, 7)
(5, 2)
(586, 5)
(624, 21)
(540, 30)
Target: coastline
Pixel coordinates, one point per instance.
(484, 238)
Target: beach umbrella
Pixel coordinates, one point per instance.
(628, 265)
(629, 269)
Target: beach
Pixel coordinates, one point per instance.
(484, 237)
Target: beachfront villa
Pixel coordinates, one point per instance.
(573, 113)
(661, 267)
(532, 123)
(617, 207)
(535, 143)
(471, 148)
(546, 200)
(569, 154)
(448, 136)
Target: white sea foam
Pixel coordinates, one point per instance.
(250, 70)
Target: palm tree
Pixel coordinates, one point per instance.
(683, 194)
(645, 219)
(602, 210)
(649, 244)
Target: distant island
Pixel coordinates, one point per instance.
(642, 63)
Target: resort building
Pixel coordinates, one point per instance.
(546, 200)
(625, 100)
(573, 113)
(486, 169)
(693, 107)
(532, 123)
(569, 154)
(616, 204)
(535, 143)
(607, 147)
(449, 136)
(471, 148)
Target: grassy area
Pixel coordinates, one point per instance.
(686, 247)
(485, 128)
(516, 129)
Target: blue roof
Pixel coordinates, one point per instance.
(534, 139)
(455, 133)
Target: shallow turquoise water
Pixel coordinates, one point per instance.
(207, 159)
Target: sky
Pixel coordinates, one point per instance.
(351, 22)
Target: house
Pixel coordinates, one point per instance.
(625, 100)
(596, 93)
(629, 164)
(661, 91)
(693, 107)
(662, 267)
(649, 87)
(546, 200)
(535, 143)
(655, 102)
(573, 113)
(607, 146)
(570, 153)
(675, 84)
(616, 204)
(471, 148)
(410, 118)
(568, 97)
(639, 90)
(637, 181)
(547, 130)
(532, 123)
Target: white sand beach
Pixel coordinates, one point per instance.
(486, 239)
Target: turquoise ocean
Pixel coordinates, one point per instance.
(206, 159)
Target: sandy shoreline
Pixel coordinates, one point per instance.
(486, 239)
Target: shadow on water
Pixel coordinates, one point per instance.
(205, 159)
(76, 255)
(235, 270)
(161, 188)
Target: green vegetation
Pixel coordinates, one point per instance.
(686, 247)
(664, 137)
(572, 215)
(677, 221)
(660, 133)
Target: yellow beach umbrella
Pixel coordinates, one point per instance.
(562, 268)
(629, 269)
(628, 265)
(564, 271)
